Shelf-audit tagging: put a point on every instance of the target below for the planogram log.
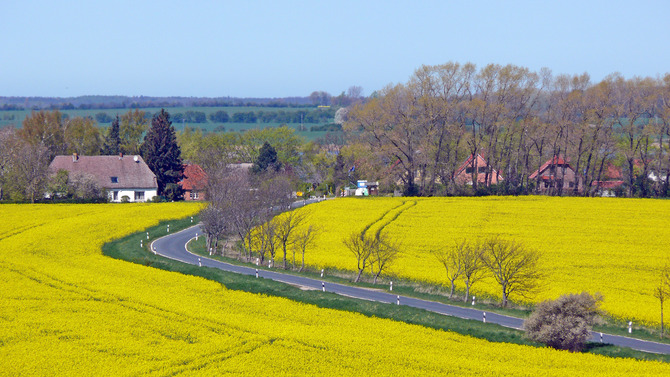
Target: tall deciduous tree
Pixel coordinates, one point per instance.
(82, 136)
(44, 128)
(163, 156)
(132, 127)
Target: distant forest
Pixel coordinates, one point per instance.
(123, 102)
(316, 98)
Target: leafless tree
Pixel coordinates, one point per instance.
(304, 238)
(451, 261)
(286, 226)
(473, 266)
(662, 291)
(214, 224)
(360, 246)
(514, 267)
(384, 250)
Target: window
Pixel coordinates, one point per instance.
(115, 195)
(139, 195)
(571, 184)
(468, 170)
(481, 169)
(114, 179)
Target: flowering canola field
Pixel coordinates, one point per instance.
(66, 309)
(612, 246)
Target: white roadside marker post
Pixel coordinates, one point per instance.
(601, 337)
(484, 320)
(630, 327)
(322, 272)
(196, 236)
(323, 286)
(199, 262)
(256, 273)
(191, 218)
(147, 235)
(168, 228)
(391, 288)
(398, 301)
(473, 300)
(140, 243)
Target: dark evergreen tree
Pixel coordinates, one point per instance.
(163, 156)
(267, 159)
(112, 143)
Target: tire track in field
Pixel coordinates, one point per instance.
(390, 216)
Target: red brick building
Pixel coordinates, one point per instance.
(194, 182)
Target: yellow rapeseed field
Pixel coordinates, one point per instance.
(612, 246)
(66, 309)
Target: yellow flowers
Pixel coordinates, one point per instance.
(611, 246)
(66, 309)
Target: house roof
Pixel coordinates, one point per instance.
(130, 171)
(194, 178)
(554, 161)
(481, 162)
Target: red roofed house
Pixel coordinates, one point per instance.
(555, 173)
(122, 176)
(611, 179)
(464, 172)
(194, 182)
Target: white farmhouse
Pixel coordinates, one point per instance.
(122, 176)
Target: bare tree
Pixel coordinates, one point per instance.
(213, 224)
(360, 246)
(473, 266)
(384, 251)
(286, 225)
(662, 291)
(304, 239)
(514, 267)
(450, 259)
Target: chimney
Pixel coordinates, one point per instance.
(120, 156)
(75, 157)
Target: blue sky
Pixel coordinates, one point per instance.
(291, 48)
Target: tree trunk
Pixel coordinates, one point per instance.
(302, 267)
(360, 272)
(467, 291)
(451, 292)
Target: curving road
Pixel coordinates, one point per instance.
(173, 246)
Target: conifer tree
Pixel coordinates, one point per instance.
(163, 156)
(112, 145)
(267, 159)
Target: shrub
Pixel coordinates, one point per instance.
(564, 323)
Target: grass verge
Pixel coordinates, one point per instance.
(128, 249)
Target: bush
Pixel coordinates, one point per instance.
(564, 323)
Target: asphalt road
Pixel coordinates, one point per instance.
(173, 246)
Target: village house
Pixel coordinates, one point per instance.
(611, 179)
(124, 177)
(194, 182)
(555, 173)
(463, 174)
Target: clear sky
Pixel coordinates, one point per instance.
(291, 48)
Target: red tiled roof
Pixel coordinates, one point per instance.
(555, 161)
(128, 171)
(607, 184)
(194, 178)
(481, 162)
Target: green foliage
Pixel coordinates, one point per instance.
(163, 156)
(219, 117)
(112, 145)
(267, 159)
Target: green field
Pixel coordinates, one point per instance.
(15, 118)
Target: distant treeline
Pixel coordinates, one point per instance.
(121, 102)
(221, 116)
